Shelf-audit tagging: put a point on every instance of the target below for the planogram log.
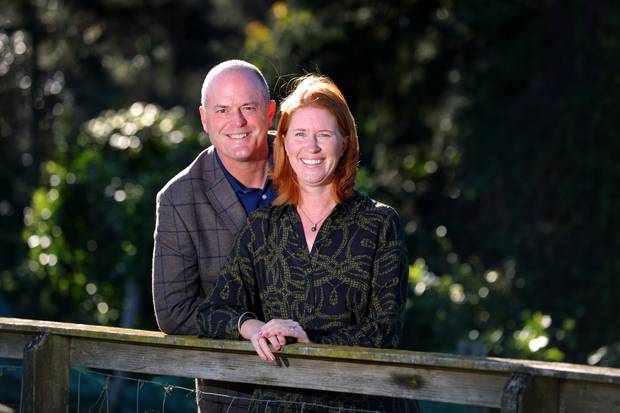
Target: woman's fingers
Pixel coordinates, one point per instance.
(275, 341)
(262, 348)
(302, 336)
(274, 333)
(264, 345)
(285, 328)
(299, 333)
(259, 351)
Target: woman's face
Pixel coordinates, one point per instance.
(314, 145)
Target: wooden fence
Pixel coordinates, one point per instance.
(48, 349)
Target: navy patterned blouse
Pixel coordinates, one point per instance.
(349, 290)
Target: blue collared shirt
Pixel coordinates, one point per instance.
(251, 198)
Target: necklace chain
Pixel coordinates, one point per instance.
(314, 224)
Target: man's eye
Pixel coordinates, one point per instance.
(220, 110)
(249, 108)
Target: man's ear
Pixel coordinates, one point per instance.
(271, 110)
(203, 117)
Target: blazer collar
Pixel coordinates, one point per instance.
(220, 193)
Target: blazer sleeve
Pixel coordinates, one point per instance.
(381, 327)
(176, 283)
(234, 295)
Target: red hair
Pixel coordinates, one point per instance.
(320, 91)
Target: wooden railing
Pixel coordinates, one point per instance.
(48, 349)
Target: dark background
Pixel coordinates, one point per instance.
(491, 126)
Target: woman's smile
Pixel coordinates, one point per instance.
(314, 145)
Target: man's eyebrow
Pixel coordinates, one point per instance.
(222, 105)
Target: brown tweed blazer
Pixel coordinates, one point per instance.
(198, 218)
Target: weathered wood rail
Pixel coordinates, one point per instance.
(48, 349)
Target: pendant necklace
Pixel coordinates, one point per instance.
(314, 224)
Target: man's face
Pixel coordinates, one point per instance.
(236, 116)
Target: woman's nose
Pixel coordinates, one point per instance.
(313, 144)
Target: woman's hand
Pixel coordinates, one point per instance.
(250, 331)
(284, 328)
(273, 332)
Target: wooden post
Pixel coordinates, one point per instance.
(45, 380)
(514, 392)
(524, 393)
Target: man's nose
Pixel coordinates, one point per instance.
(239, 119)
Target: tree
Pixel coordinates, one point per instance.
(465, 113)
(491, 128)
(90, 226)
(63, 64)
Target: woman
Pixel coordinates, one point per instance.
(324, 264)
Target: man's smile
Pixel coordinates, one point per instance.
(237, 136)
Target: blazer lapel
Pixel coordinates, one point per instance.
(220, 193)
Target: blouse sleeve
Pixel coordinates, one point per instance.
(234, 294)
(382, 325)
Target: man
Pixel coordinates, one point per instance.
(200, 211)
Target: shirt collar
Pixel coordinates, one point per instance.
(236, 185)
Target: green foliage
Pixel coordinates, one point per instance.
(90, 226)
(61, 64)
(490, 126)
(474, 123)
(536, 163)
